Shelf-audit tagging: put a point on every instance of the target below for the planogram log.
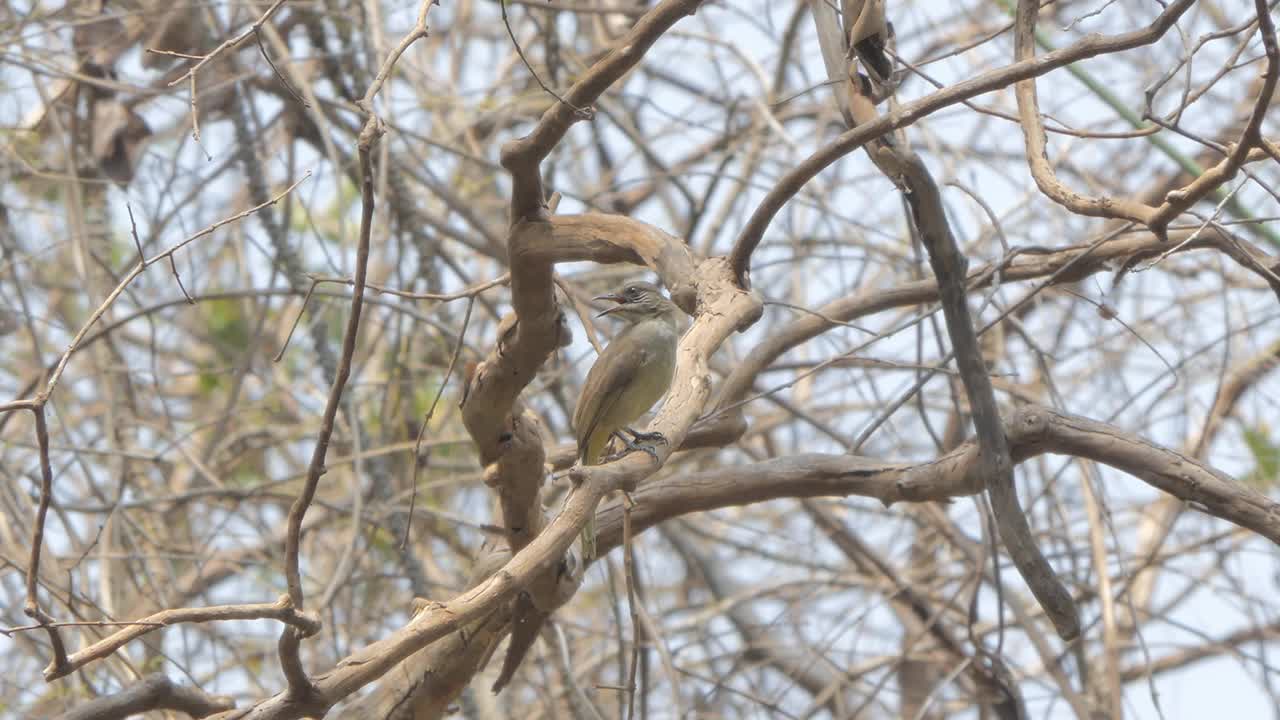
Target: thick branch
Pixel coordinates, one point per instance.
(949, 266)
(156, 692)
(1032, 431)
(427, 684)
(609, 239)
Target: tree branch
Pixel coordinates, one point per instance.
(850, 140)
(281, 610)
(523, 157)
(155, 692)
(949, 266)
(1032, 431)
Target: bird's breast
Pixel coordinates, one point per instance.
(657, 363)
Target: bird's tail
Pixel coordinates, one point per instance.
(595, 446)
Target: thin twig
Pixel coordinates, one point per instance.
(283, 80)
(431, 411)
(582, 113)
(628, 571)
(32, 607)
(296, 319)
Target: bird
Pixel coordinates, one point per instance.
(869, 32)
(632, 373)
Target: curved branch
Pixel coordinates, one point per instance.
(847, 142)
(1065, 266)
(523, 157)
(1251, 139)
(1024, 29)
(155, 692)
(1032, 431)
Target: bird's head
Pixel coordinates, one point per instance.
(638, 301)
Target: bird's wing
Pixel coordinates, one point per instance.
(613, 372)
(868, 33)
(864, 19)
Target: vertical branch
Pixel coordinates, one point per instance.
(32, 607)
(950, 266)
(372, 131)
(1108, 679)
(629, 573)
(299, 685)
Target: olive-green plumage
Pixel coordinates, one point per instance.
(630, 375)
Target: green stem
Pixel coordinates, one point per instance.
(1187, 164)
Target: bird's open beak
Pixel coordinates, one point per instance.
(612, 297)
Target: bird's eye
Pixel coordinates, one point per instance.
(632, 293)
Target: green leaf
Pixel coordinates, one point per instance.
(1266, 457)
(209, 382)
(228, 324)
(383, 542)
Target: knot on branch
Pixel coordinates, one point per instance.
(306, 623)
(513, 152)
(1028, 424)
(492, 474)
(508, 327)
(717, 279)
(373, 130)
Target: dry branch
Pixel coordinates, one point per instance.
(950, 266)
(1032, 430)
(155, 692)
(909, 113)
(282, 610)
(1024, 29)
(1065, 265)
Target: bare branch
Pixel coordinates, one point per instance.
(911, 112)
(155, 692)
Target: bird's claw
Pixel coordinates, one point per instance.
(650, 437)
(648, 450)
(633, 446)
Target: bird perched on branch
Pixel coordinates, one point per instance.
(630, 375)
(869, 32)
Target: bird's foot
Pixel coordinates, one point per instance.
(653, 437)
(639, 443)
